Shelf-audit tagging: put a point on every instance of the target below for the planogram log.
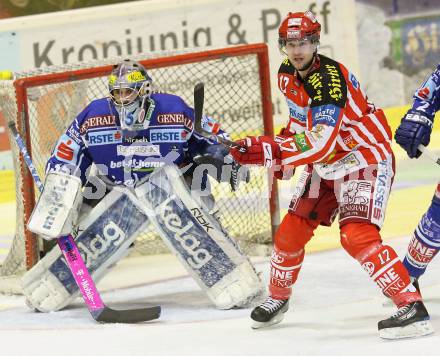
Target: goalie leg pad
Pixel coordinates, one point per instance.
(197, 239)
(107, 232)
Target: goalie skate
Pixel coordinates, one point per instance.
(269, 313)
(412, 320)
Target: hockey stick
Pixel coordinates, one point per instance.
(199, 98)
(429, 154)
(99, 311)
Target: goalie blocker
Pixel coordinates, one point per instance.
(185, 225)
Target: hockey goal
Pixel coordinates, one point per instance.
(237, 93)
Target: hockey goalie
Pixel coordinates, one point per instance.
(129, 160)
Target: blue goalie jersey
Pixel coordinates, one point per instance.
(123, 157)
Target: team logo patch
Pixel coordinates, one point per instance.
(99, 138)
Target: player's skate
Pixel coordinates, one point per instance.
(412, 320)
(269, 313)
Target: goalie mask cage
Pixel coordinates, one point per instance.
(43, 103)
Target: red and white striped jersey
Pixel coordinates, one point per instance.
(331, 123)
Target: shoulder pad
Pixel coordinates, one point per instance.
(286, 67)
(326, 84)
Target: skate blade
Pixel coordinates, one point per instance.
(417, 329)
(258, 324)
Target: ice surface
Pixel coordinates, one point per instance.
(335, 311)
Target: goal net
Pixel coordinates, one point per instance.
(237, 93)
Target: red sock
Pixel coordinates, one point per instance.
(284, 269)
(388, 272)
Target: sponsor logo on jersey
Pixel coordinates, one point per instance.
(335, 84)
(135, 164)
(100, 138)
(301, 142)
(135, 139)
(354, 81)
(355, 202)
(97, 121)
(349, 141)
(175, 119)
(167, 135)
(67, 149)
(315, 80)
(74, 134)
(344, 164)
(297, 112)
(381, 190)
(325, 115)
(139, 150)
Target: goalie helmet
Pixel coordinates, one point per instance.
(299, 26)
(129, 86)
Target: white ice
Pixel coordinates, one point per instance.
(334, 311)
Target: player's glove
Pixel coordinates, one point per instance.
(414, 129)
(261, 151)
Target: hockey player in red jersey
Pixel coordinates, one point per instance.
(344, 143)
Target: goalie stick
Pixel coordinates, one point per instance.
(99, 311)
(432, 156)
(199, 97)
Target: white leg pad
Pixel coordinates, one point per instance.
(106, 233)
(197, 239)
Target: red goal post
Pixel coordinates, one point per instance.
(237, 93)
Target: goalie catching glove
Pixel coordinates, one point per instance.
(56, 212)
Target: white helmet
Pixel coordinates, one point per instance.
(129, 86)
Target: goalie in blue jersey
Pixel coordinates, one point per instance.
(143, 150)
(414, 130)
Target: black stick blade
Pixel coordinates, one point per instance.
(131, 316)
